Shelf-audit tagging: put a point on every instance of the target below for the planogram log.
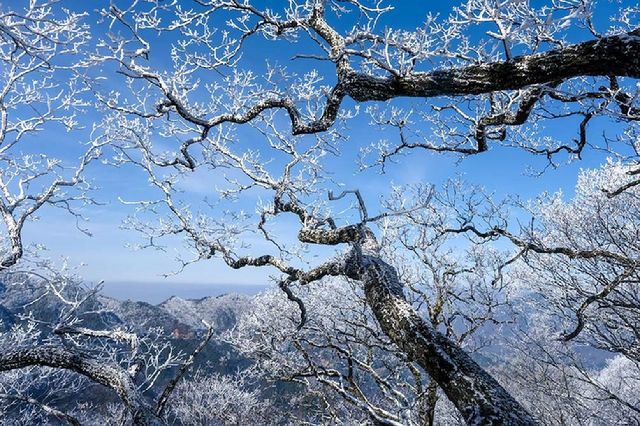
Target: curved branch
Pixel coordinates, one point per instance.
(592, 299)
(623, 188)
(284, 286)
(111, 376)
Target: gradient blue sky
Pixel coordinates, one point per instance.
(138, 274)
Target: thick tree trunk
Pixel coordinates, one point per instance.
(479, 397)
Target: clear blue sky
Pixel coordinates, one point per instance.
(106, 256)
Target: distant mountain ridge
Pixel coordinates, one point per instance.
(221, 312)
(181, 318)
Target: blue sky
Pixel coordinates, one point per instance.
(137, 274)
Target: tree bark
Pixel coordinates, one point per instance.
(617, 55)
(479, 397)
(428, 404)
(614, 55)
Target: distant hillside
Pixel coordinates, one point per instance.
(157, 292)
(181, 318)
(221, 312)
(23, 299)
